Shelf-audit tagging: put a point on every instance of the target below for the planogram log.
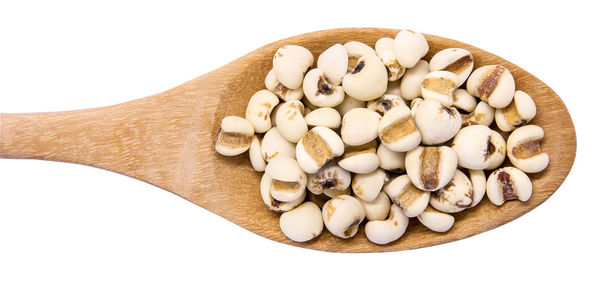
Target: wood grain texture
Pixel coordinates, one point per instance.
(168, 140)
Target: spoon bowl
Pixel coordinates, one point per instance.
(168, 140)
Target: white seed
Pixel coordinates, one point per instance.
(258, 111)
(456, 60)
(397, 130)
(234, 137)
(497, 151)
(330, 177)
(507, 184)
(286, 94)
(378, 209)
(524, 149)
(325, 116)
(436, 220)
(355, 51)
(478, 180)
(519, 112)
(285, 169)
(288, 179)
(385, 232)
(393, 88)
(385, 50)
(390, 160)
(436, 123)
(359, 126)
(348, 104)
(360, 159)
(414, 105)
(463, 100)
(290, 120)
(274, 145)
(317, 147)
(431, 168)
(472, 145)
(290, 63)
(368, 186)
(405, 195)
(384, 103)
(410, 47)
(274, 205)
(319, 91)
(440, 85)
(334, 63)
(256, 157)
(368, 80)
(493, 84)
(482, 114)
(342, 215)
(455, 196)
(410, 85)
(303, 223)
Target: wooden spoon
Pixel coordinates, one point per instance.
(168, 140)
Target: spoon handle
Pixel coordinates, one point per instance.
(151, 139)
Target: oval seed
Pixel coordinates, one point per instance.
(482, 114)
(360, 159)
(493, 84)
(410, 85)
(290, 63)
(342, 215)
(334, 63)
(390, 160)
(456, 60)
(440, 85)
(359, 126)
(473, 147)
(290, 120)
(368, 80)
(410, 47)
(507, 184)
(274, 205)
(431, 168)
(276, 87)
(317, 147)
(405, 195)
(234, 136)
(378, 209)
(258, 111)
(302, 223)
(385, 232)
(519, 112)
(524, 149)
(319, 91)
(456, 196)
(256, 156)
(436, 220)
(385, 50)
(397, 130)
(325, 116)
(368, 186)
(436, 123)
(463, 100)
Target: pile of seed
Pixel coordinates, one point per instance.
(382, 134)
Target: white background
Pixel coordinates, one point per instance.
(70, 226)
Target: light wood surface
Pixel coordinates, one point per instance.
(168, 140)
